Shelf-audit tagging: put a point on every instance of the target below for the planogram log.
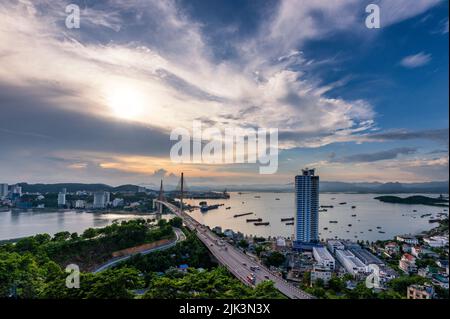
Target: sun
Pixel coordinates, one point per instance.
(126, 103)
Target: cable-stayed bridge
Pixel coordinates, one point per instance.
(238, 263)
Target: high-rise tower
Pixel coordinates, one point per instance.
(307, 207)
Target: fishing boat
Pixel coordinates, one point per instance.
(261, 224)
(251, 220)
(244, 214)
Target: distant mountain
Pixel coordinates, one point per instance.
(74, 187)
(325, 186)
(343, 187)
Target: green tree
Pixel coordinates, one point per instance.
(274, 259)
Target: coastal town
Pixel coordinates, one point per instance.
(406, 266)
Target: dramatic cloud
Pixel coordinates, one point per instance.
(374, 157)
(416, 60)
(104, 97)
(437, 135)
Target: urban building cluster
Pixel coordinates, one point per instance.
(405, 255)
(12, 196)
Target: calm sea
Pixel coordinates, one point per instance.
(392, 218)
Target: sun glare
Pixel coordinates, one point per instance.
(126, 103)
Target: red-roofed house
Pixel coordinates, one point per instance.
(408, 263)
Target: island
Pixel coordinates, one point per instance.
(415, 200)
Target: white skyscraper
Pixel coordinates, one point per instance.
(307, 207)
(3, 191)
(101, 199)
(61, 199)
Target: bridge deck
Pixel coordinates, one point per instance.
(236, 261)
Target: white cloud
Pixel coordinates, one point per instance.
(416, 60)
(176, 74)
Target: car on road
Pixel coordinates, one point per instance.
(265, 276)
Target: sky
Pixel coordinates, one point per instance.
(98, 103)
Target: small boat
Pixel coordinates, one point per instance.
(378, 227)
(353, 207)
(228, 207)
(343, 203)
(370, 229)
(333, 221)
(381, 232)
(414, 210)
(252, 220)
(333, 198)
(261, 224)
(287, 219)
(323, 210)
(326, 206)
(349, 225)
(277, 199)
(354, 215)
(257, 196)
(244, 214)
(290, 223)
(325, 228)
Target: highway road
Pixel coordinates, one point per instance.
(238, 263)
(180, 237)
